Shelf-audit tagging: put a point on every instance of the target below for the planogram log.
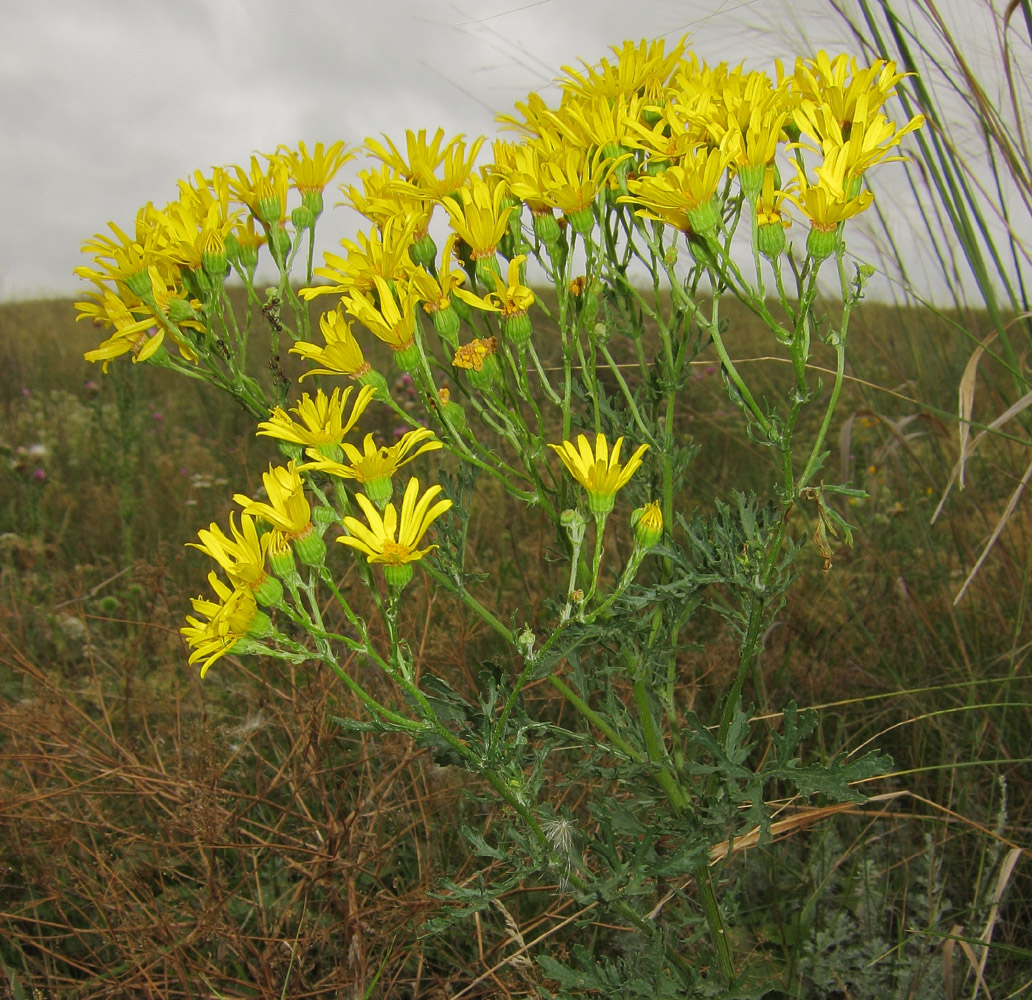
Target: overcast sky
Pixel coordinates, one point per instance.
(105, 104)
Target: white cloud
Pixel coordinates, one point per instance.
(106, 104)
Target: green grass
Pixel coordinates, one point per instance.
(165, 837)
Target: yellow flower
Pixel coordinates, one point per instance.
(511, 299)
(242, 556)
(288, 510)
(644, 70)
(384, 253)
(340, 356)
(164, 311)
(321, 420)
(384, 196)
(435, 292)
(374, 466)
(674, 130)
(572, 181)
(419, 169)
(392, 538)
(124, 259)
(479, 216)
(683, 196)
(311, 172)
(390, 319)
(231, 618)
(131, 334)
(599, 472)
(264, 192)
(195, 238)
(597, 122)
(828, 203)
(839, 83)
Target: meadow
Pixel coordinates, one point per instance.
(165, 837)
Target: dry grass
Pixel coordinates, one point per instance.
(160, 837)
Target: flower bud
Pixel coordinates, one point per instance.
(575, 524)
(397, 576)
(140, 284)
(269, 591)
(372, 377)
(313, 201)
(281, 562)
(517, 329)
(179, 311)
(451, 411)
(279, 245)
(705, 218)
(380, 490)
(261, 626)
(485, 268)
(302, 218)
(822, 243)
(446, 322)
(751, 180)
(213, 255)
(771, 240)
(408, 358)
(647, 525)
(486, 375)
(424, 251)
(546, 228)
(582, 221)
(310, 548)
(323, 516)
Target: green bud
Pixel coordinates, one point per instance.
(822, 243)
(575, 524)
(380, 491)
(397, 576)
(313, 201)
(447, 322)
(269, 592)
(140, 284)
(374, 378)
(179, 311)
(705, 218)
(546, 228)
(485, 268)
(311, 549)
(322, 517)
(261, 626)
(489, 373)
(281, 562)
(302, 218)
(582, 221)
(647, 525)
(279, 245)
(408, 359)
(771, 240)
(517, 330)
(424, 252)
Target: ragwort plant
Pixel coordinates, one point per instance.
(657, 188)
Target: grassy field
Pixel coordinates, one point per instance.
(164, 837)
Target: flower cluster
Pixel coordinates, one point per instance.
(162, 279)
(256, 561)
(646, 151)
